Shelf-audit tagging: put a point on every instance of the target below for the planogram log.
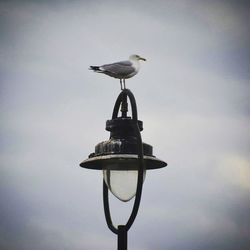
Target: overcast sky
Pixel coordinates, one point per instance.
(192, 95)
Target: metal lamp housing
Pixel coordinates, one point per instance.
(120, 152)
(118, 157)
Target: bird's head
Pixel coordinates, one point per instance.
(137, 58)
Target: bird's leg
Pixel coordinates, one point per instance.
(121, 84)
(124, 85)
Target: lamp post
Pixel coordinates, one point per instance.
(124, 159)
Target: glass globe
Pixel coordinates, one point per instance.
(122, 183)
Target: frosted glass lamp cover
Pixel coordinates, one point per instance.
(122, 183)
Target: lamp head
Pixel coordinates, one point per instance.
(120, 152)
(118, 158)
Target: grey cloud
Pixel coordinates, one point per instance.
(192, 95)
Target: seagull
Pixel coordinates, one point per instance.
(121, 70)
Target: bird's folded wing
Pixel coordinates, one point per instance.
(121, 69)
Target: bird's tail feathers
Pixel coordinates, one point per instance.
(95, 68)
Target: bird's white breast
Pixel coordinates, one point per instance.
(136, 66)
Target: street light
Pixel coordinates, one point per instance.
(124, 159)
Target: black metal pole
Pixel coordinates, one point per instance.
(124, 105)
(122, 238)
(106, 209)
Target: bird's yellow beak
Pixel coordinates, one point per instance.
(143, 59)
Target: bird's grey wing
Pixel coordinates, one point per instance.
(119, 69)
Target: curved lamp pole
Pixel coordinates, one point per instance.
(123, 158)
